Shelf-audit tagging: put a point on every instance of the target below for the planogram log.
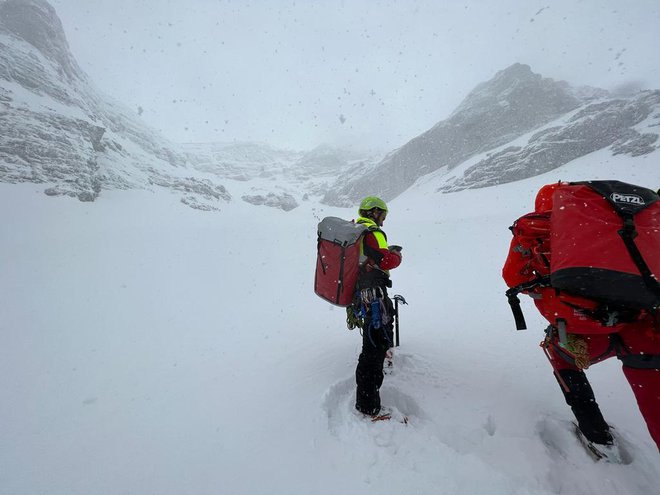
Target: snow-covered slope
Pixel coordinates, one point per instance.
(149, 348)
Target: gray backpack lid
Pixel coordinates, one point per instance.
(340, 231)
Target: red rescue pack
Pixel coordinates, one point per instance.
(338, 260)
(589, 256)
(605, 238)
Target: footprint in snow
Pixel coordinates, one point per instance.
(339, 406)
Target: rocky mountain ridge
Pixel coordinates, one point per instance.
(627, 126)
(513, 103)
(58, 130)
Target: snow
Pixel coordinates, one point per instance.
(28, 100)
(146, 347)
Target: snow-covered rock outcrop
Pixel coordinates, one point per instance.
(57, 129)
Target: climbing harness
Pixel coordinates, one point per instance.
(573, 348)
(368, 303)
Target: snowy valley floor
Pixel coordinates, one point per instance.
(146, 347)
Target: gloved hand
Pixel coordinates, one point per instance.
(397, 250)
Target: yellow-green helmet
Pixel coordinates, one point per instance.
(371, 202)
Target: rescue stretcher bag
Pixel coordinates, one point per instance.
(338, 260)
(589, 256)
(605, 241)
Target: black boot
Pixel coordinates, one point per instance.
(583, 403)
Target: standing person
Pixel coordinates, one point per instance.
(585, 330)
(376, 258)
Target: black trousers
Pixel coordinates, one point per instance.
(580, 397)
(369, 371)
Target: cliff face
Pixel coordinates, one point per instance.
(36, 22)
(57, 129)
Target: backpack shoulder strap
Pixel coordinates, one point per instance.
(370, 252)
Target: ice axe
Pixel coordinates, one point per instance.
(397, 298)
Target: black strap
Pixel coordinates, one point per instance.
(340, 285)
(318, 253)
(628, 234)
(514, 302)
(616, 345)
(518, 316)
(641, 361)
(370, 252)
(627, 358)
(567, 356)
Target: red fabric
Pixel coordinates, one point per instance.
(390, 259)
(554, 306)
(598, 345)
(513, 271)
(582, 217)
(528, 258)
(543, 201)
(334, 279)
(530, 244)
(524, 263)
(638, 338)
(645, 385)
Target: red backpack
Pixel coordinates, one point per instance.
(589, 256)
(338, 260)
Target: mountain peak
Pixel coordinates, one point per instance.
(517, 85)
(37, 23)
(513, 102)
(516, 70)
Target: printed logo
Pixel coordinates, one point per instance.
(632, 199)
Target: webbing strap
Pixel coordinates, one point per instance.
(628, 234)
(633, 360)
(340, 284)
(553, 339)
(514, 302)
(318, 253)
(372, 253)
(518, 315)
(641, 361)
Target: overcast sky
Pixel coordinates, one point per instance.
(300, 73)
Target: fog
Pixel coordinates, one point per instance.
(373, 74)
